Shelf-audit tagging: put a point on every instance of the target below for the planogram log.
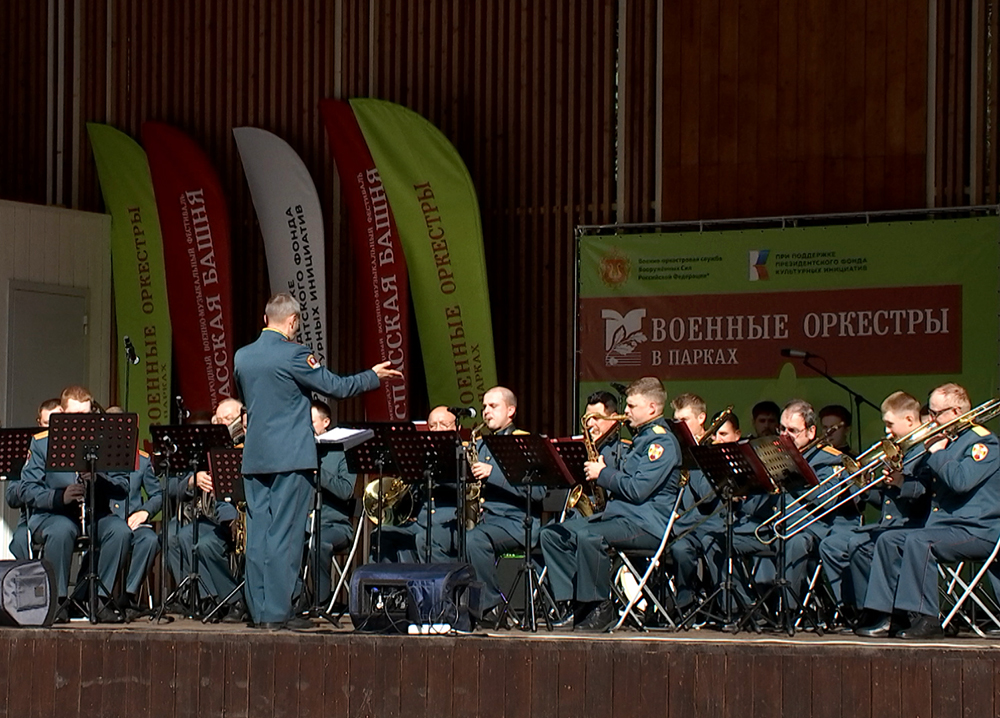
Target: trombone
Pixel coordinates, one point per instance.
(887, 453)
(802, 502)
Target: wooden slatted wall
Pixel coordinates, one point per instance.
(728, 108)
(776, 108)
(525, 92)
(23, 119)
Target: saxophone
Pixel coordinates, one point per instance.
(473, 488)
(595, 503)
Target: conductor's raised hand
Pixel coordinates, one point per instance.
(383, 371)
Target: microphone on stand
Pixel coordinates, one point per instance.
(460, 411)
(182, 411)
(798, 354)
(133, 358)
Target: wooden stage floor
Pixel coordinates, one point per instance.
(187, 669)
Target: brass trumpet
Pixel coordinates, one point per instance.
(598, 499)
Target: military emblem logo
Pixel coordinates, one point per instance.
(979, 452)
(615, 268)
(654, 452)
(311, 361)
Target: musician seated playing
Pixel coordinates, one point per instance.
(215, 537)
(501, 526)
(406, 543)
(337, 482)
(798, 422)
(963, 523)
(903, 501)
(137, 510)
(54, 499)
(701, 511)
(642, 496)
(12, 491)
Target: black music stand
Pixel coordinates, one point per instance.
(574, 455)
(529, 460)
(687, 441)
(226, 468)
(184, 446)
(336, 439)
(14, 445)
(91, 443)
(789, 472)
(375, 457)
(428, 458)
(734, 471)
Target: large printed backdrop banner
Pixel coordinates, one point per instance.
(140, 284)
(885, 306)
(437, 214)
(291, 223)
(195, 222)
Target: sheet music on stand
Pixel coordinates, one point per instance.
(344, 438)
(375, 455)
(14, 445)
(93, 442)
(786, 467)
(226, 467)
(188, 445)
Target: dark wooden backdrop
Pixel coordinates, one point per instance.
(567, 112)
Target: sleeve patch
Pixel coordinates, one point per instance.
(979, 452)
(311, 361)
(657, 429)
(654, 452)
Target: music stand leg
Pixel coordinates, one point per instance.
(165, 513)
(92, 580)
(461, 470)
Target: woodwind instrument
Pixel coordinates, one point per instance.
(588, 505)
(473, 487)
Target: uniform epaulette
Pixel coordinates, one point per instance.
(41, 434)
(520, 432)
(832, 451)
(627, 441)
(657, 429)
(143, 453)
(981, 430)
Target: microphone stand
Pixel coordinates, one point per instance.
(857, 399)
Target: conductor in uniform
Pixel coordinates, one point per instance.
(275, 376)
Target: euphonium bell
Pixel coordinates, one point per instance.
(397, 501)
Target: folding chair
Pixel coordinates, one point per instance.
(341, 571)
(643, 588)
(952, 577)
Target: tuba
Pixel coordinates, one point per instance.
(588, 505)
(473, 489)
